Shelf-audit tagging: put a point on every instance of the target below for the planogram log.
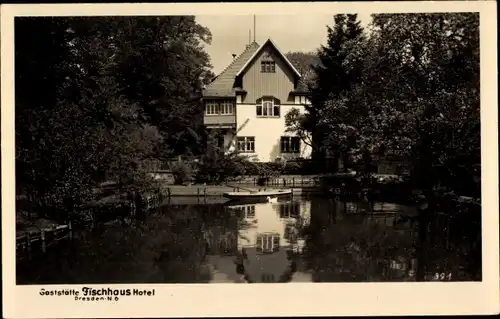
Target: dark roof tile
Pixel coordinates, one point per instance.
(222, 85)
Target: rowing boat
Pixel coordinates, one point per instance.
(258, 195)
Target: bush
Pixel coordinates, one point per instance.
(293, 168)
(181, 171)
(263, 170)
(216, 167)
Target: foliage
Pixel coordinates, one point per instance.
(98, 97)
(181, 171)
(337, 66)
(341, 66)
(265, 170)
(219, 164)
(296, 123)
(304, 62)
(409, 88)
(223, 164)
(435, 119)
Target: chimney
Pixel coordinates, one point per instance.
(234, 56)
(254, 30)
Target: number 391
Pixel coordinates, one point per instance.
(442, 276)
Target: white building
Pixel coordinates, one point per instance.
(247, 103)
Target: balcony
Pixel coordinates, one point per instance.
(220, 121)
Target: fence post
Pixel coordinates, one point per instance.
(70, 230)
(42, 238)
(28, 244)
(293, 181)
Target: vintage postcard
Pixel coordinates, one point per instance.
(249, 159)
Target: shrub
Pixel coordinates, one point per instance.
(181, 171)
(293, 167)
(216, 166)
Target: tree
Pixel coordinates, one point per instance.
(295, 121)
(97, 97)
(304, 62)
(339, 68)
(163, 66)
(424, 85)
(38, 61)
(410, 88)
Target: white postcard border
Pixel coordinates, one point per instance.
(187, 300)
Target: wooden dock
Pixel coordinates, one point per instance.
(219, 190)
(36, 238)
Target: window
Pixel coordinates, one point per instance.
(268, 107)
(211, 108)
(268, 67)
(289, 210)
(267, 278)
(246, 144)
(224, 107)
(268, 243)
(290, 144)
(220, 141)
(250, 212)
(226, 242)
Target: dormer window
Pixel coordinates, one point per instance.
(268, 67)
(268, 107)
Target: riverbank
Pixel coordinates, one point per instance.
(219, 190)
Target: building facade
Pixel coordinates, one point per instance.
(247, 103)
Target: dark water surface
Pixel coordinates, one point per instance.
(304, 240)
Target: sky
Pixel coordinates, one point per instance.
(230, 33)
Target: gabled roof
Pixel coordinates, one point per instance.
(222, 84)
(256, 53)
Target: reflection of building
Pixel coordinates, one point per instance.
(275, 225)
(246, 212)
(270, 239)
(223, 239)
(268, 278)
(289, 210)
(268, 243)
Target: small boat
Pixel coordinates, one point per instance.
(259, 195)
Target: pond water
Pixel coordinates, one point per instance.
(301, 240)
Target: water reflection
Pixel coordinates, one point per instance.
(308, 240)
(266, 246)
